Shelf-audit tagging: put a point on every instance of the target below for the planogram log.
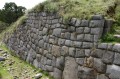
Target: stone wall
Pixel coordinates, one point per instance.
(67, 50)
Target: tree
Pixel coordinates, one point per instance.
(11, 12)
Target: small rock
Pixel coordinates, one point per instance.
(39, 75)
(2, 59)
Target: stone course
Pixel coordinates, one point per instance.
(66, 50)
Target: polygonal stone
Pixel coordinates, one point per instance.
(80, 61)
(57, 32)
(116, 48)
(102, 76)
(80, 37)
(61, 41)
(96, 31)
(108, 57)
(78, 21)
(79, 30)
(98, 53)
(72, 52)
(96, 23)
(73, 20)
(87, 45)
(68, 42)
(88, 38)
(73, 36)
(113, 71)
(103, 46)
(64, 50)
(49, 68)
(99, 65)
(87, 52)
(48, 62)
(60, 63)
(97, 17)
(80, 53)
(117, 59)
(57, 73)
(87, 30)
(84, 23)
(77, 44)
(56, 50)
(70, 69)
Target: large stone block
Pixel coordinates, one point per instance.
(70, 70)
(72, 52)
(88, 38)
(98, 53)
(113, 71)
(80, 37)
(80, 61)
(117, 59)
(84, 23)
(86, 73)
(56, 50)
(57, 32)
(64, 50)
(99, 65)
(60, 63)
(108, 57)
(87, 45)
(77, 44)
(80, 53)
(57, 73)
(116, 48)
(96, 23)
(103, 46)
(79, 30)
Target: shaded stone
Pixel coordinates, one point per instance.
(56, 50)
(88, 38)
(60, 63)
(64, 50)
(57, 32)
(108, 57)
(80, 30)
(99, 65)
(96, 23)
(117, 59)
(80, 53)
(87, 45)
(80, 61)
(98, 53)
(72, 52)
(84, 23)
(102, 76)
(116, 48)
(57, 73)
(103, 46)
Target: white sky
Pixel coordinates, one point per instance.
(25, 3)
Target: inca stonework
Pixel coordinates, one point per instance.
(67, 50)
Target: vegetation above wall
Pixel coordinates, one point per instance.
(80, 8)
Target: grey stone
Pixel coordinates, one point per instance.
(87, 30)
(73, 20)
(64, 50)
(80, 53)
(113, 71)
(78, 21)
(96, 23)
(48, 62)
(72, 52)
(68, 42)
(86, 73)
(61, 41)
(96, 38)
(98, 53)
(67, 35)
(108, 57)
(49, 68)
(99, 65)
(73, 36)
(77, 44)
(53, 61)
(84, 23)
(96, 31)
(79, 30)
(103, 46)
(116, 48)
(71, 29)
(97, 17)
(80, 37)
(88, 38)
(41, 43)
(70, 65)
(57, 32)
(35, 63)
(117, 59)
(87, 45)
(38, 76)
(60, 63)
(45, 31)
(49, 56)
(56, 50)
(57, 73)
(80, 61)
(31, 56)
(87, 52)
(101, 76)
(2, 58)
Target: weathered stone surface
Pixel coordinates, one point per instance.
(60, 63)
(35, 63)
(64, 50)
(77, 44)
(80, 30)
(77, 22)
(49, 68)
(31, 56)
(88, 37)
(2, 59)
(72, 52)
(80, 61)
(57, 73)
(97, 17)
(113, 71)
(96, 31)
(61, 42)
(87, 30)
(96, 23)
(117, 59)
(86, 73)
(87, 45)
(80, 37)
(102, 76)
(80, 53)
(98, 53)
(70, 65)
(108, 57)
(57, 32)
(116, 47)
(103, 46)
(56, 50)
(99, 65)
(84, 23)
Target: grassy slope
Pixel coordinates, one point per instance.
(20, 68)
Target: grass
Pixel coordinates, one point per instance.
(8, 31)
(83, 9)
(20, 67)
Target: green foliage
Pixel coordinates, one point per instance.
(3, 26)
(11, 12)
(83, 9)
